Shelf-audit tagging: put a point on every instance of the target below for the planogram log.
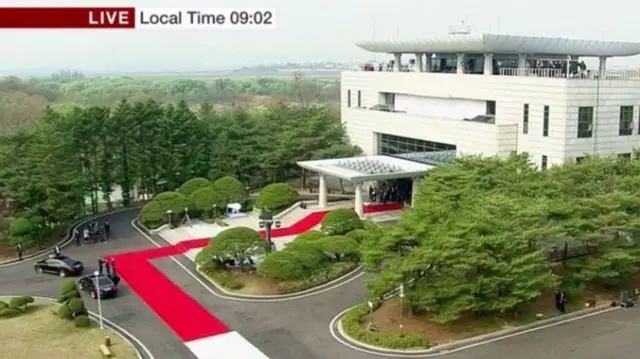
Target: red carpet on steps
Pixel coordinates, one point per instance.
(188, 319)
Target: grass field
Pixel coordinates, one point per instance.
(39, 334)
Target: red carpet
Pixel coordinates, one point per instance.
(188, 319)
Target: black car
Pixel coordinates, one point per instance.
(107, 287)
(60, 265)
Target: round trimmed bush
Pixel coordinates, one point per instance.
(18, 302)
(203, 200)
(236, 241)
(282, 265)
(82, 321)
(76, 305)
(68, 285)
(174, 201)
(338, 246)
(276, 196)
(230, 189)
(152, 215)
(357, 234)
(3, 305)
(341, 221)
(64, 312)
(192, 185)
(10, 312)
(308, 254)
(310, 236)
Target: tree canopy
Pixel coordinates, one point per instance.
(484, 233)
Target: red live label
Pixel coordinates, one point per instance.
(67, 18)
(110, 18)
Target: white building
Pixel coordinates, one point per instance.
(493, 95)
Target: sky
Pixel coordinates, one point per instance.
(307, 30)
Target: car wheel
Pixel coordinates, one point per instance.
(40, 270)
(93, 295)
(62, 273)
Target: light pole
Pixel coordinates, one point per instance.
(266, 221)
(96, 276)
(401, 309)
(214, 214)
(169, 215)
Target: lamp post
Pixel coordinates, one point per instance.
(214, 214)
(169, 215)
(401, 308)
(267, 221)
(96, 276)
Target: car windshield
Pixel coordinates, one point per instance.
(69, 261)
(104, 281)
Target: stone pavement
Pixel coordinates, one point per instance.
(200, 229)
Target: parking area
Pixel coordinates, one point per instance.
(613, 335)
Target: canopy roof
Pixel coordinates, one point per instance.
(505, 44)
(367, 168)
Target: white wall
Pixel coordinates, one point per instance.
(451, 108)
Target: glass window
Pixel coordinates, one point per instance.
(417, 150)
(359, 99)
(545, 124)
(525, 119)
(625, 127)
(348, 98)
(544, 162)
(585, 122)
(491, 108)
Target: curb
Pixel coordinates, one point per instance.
(464, 343)
(68, 237)
(343, 278)
(142, 352)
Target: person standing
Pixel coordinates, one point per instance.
(107, 268)
(19, 251)
(100, 265)
(76, 236)
(563, 302)
(107, 229)
(85, 234)
(556, 298)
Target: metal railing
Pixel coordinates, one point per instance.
(615, 74)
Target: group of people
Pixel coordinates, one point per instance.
(390, 191)
(108, 268)
(99, 232)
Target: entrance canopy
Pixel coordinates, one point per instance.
(367, 168)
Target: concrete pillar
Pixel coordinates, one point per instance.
(415, 187)
(322, 191)
(460, 64)
(602, 67)
(359, 204)
(428, 65)
(397, 63)
(488, 63)
(419, 66)
(522, 64)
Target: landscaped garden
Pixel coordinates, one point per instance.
(488, 243)
(64, 327)
(239, 258)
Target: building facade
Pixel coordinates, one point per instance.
(493, 95)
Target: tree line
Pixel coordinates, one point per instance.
(489, 231)
(144, 148)
(21, 101)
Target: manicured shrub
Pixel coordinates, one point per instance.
(193, 185)
(276, 196)
(282, 265)
(174, 201)
(231, 190)
(308, 254)
(357, 234)
(76, 305)
(203, 200)
(3, 305)
(353, 324)
(238, 243)
(318, 277)
(341, 221)
(152, 215)
(310, 236)
(64, 312)
(10, 312)
(82, 321)
(68, 291)
(20, 302)
(338, 246)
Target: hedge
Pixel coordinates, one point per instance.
(341, 221)
(318, 277)
(203, 200)
(82, 321)
(231, 189)
(193, 185)
(154, 213)
(276, 196)
(353, 324)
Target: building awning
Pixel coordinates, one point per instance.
(367, 168)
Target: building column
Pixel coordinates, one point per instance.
(419, 62)
(460, 64)
(322, 191)
(359, 204)
(602, 67)
(397, 63)
(522, 64)
(428, 65)
(488, 63)
(415, 188)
